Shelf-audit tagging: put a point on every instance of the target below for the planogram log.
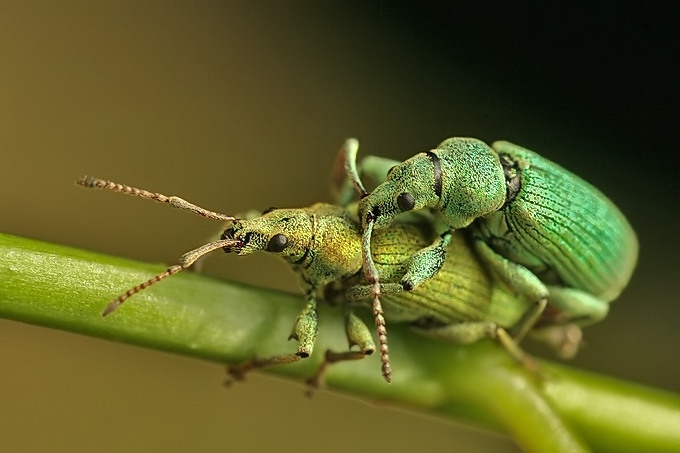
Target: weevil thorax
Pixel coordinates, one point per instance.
(473, 182)
(321, 242)
(462, 179)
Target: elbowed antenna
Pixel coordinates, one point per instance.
(175, 202)
(373, 276)
(346, 159)
(185, 261)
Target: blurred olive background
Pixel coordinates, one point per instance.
(244, 105)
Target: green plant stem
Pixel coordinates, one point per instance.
(567, 410)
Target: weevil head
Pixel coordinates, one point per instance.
(322, 242)
(285, 232)
(461, 180)
(409, 186)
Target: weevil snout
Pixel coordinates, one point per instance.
(230, 233)
(381, 210)
(258, 234)
(369, 212)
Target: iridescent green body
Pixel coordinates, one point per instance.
(529, 215)
(323, 243)
(534, 235)
(561, 227)
(463, 303)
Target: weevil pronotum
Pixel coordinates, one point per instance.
(530, 217)
(323, 243)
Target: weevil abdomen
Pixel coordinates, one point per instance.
(463, 291)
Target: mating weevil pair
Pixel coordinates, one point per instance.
(539, 228)
(455, 285)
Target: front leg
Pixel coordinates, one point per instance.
(358, 335)
(305, 331)
(558, 311)
(425, 263)
(346, 174)
(521, 281)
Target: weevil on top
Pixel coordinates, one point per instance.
(545, 232)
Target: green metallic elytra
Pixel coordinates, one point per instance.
(562, 228)
(528, 214)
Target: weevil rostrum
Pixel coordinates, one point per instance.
(323, 243)
(541, 229)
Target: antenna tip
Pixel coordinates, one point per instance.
(110, 308)
(87, 181)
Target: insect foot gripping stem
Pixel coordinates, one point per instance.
(305, 331)
(239, 372)
(359, 335)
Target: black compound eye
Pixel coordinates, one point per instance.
(277, 243)
(406, 202)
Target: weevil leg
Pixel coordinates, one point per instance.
(528, 320)
(556, 311)
(375, 168)
(471, 332)
(362, 292)
(570, 309)
(318, 380)
(576, 306)
(346, 175)
(425, 263)
(343, 174)
(527, 285)
(460, 333)
(358, 335)
(517, 353)
(519, 279)
(239, 372)
(306, 328)
(305, 331)
(565, 340)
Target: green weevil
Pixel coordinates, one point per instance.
(323, 243)
(317, 250)
(530, 218)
